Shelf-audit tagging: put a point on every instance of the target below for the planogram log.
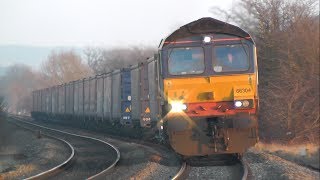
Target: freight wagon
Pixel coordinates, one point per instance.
(129, 96)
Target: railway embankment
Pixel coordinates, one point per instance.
(266, 165)
(24, 153)
(304, 154)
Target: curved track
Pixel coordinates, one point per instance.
(245, 169)
(181, 171)
(93, 157)
(139, 159)
(58, 168)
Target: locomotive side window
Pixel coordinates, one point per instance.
(230, 58)
(188, 60)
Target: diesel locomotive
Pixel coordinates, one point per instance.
(199, 93)
(210, 88)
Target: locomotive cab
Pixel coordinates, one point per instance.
(209, 84)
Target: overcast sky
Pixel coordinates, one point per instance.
(80, 23)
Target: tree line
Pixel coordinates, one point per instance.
(62, 67)
(287, 38)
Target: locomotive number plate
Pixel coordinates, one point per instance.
(244, 90)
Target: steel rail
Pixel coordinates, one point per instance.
(55, 169)
(181, 171)
(98, 175)
(245, 168)
(242, 161)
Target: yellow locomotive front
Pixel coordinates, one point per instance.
(209, 84)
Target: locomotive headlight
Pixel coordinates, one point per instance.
(178, 106)
(238, 104)
(245, 103)
(206, 39)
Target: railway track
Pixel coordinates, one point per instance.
(59, 167)
(181, 172)
(188, 171)
(92, 159)
(139, 160)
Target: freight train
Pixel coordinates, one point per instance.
(200, 92)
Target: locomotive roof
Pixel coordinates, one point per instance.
(205, 26)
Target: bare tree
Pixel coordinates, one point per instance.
(19, 82)
(105, 60)
(287, 36)
(64, 66)
(17, 85)
(94, 57)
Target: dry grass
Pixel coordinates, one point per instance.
(155, 158)
(18, 172)
(146, 172)
(290, 149)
